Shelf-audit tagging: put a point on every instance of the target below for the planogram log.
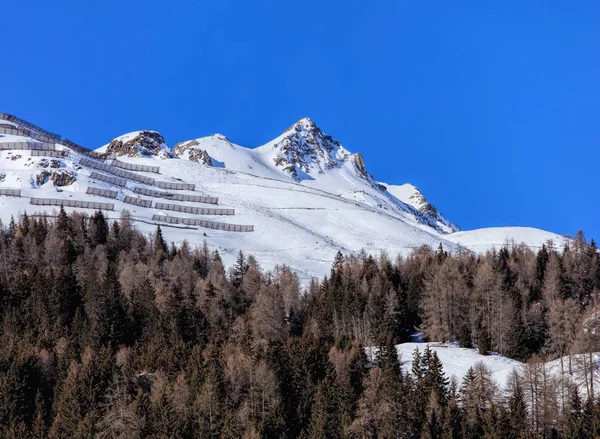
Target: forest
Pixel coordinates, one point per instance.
(109, 333)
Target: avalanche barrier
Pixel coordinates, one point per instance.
(138, 201)
(28, 146)
(193, 209)
(26, 133)
(175, 197)
(71, 203)
(134, 167)
(11, 192)
(175, 186)
(29, 125)
(108, 179)
(107, 193)
(203, 223)
(49, 153)
(116, 171)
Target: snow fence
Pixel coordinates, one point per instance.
(10, 192)
(26, 133)
(175, 197)
(107, 193)
(29, 125)
(49, 153)
(116, 171)
(193, 209)
(134, 167)
(71, 203)
(203, 223)
(108, 179)
(175, 186)
(8, 146)
(138, 201)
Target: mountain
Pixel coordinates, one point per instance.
(143, 143)
(305, 155)
(409, 194)
(305, 194)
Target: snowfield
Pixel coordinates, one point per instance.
(482, 240)
(319, 199)
(457, 361)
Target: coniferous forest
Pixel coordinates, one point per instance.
(108, 333)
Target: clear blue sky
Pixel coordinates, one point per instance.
(491, 110)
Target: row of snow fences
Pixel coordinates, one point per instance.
(30, 146)
(175, 186)
(15, 119)
(116, 171)
(203, 223)
(106, 193)
(83, 150)
(176, 197)
(46, 153)
(10, 192)
(108, 179)
(138, 201)
(71, 203)
(134, 167)
(26, 133)
(193, 209)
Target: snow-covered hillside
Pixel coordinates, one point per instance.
(306, 196)
(481, 240)
(456, 361)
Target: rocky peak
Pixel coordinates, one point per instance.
(139, 144)
(193, 152)
(359, 161)
(304, 148)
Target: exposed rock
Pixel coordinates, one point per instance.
(58, 178)
(141, 144)
(195, 154)
(359, 161)
(45, 163)
(304, 147)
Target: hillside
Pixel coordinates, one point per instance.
(305, 195)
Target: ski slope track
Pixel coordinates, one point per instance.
(296, 200)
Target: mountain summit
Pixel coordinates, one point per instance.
(143, 143)
(303, 149)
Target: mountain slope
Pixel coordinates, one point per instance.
(300, 218)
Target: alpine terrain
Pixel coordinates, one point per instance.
(295, 200)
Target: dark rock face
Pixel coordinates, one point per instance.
(304, 147)
(58, 178)
(144, 144)
(359, 161)
(45, 163)
(194, 154)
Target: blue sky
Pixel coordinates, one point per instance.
(490, 109)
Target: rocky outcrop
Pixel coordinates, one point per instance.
(45, 163)
(193, 153)
(59, 178)
(305, 148)
(140, 144)
(359, 161)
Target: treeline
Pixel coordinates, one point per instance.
(108, 333)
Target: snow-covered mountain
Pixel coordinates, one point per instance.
(305, 194)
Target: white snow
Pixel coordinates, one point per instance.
(300, 224)
(457, 361)
(481, 240)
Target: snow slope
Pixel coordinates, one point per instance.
(481, 240)
(456, 361)
(306, 196)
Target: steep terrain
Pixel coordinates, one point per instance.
(306, 196)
